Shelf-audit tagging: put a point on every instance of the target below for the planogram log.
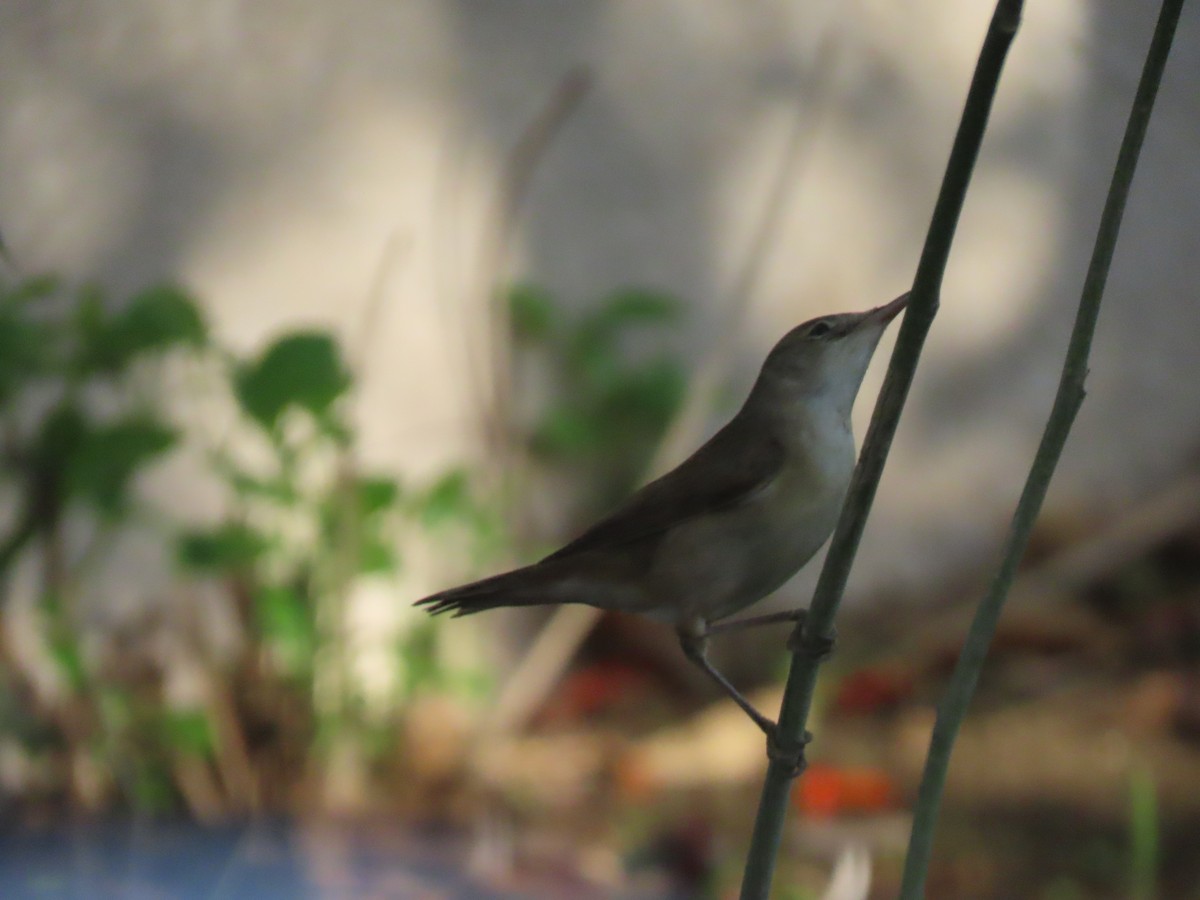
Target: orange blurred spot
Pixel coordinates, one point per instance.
(826, 790)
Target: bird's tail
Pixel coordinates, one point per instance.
(531, 586)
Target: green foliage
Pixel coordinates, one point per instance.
(229, 547)
(306, 522)
(72, 456)
(160, 317)
(350, 514)
(453, 509)
(612, 405)
(354, 516)
(104, 459)
(26, 343)
(532, 313)
(447, 500)
(64, 454)
(188, 731)
(376, 494)
(277, 488)
(53, 344)
(24, 292)
(302, 370)
(422, 667)
(63, 644)
(143, 737)
(155, 320)
(56, 438)
(285, 618)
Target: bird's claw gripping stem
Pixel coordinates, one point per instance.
(819, 647)
(790, 755)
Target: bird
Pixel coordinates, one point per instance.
(732, 522)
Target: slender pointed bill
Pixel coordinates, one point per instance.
(889, 311)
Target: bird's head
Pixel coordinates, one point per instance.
(825, 358)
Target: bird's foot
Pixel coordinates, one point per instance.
(819, 647)
(790, 754)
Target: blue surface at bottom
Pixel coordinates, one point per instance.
(155, 860)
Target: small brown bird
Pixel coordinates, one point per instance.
(732, 522)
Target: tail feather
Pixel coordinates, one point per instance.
(521, 587)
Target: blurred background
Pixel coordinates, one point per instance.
(311, 309)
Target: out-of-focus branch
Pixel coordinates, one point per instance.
(813, 637)
(515, 180)
(1067, 401)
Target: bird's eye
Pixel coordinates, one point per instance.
(820, 329)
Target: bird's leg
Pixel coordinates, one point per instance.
(791, 615)
(695, 647)
(821, 647)
(694, 642)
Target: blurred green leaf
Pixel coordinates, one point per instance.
(276, 488)
(623, 310)
(593, 350)
(448, 499)
(303, 370)
(64, 651)
(377, 557)
(29, 289)
(346, 529)
(531, 311)
(188, 731)
(228, 547)
(376, 494)
(160, 317)
(636, 306)
(91, 325)
(62, 642)
(422, 667)
(103, 462)
(285, 620)
(591, 363)
(567, 432)
(333, 428)
(648, 395)
(26, 350)
(59, 436)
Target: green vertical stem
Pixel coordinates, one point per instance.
(1067, 401)
(818, 628)
(1144, 841)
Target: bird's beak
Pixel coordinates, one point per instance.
(887, 312)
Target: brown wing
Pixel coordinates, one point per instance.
(737, 463)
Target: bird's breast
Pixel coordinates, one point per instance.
(724, 562)
(799, 512)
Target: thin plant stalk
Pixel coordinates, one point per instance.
(1067, 401)
(516, 178)
(812, 637)
(1144, 839)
